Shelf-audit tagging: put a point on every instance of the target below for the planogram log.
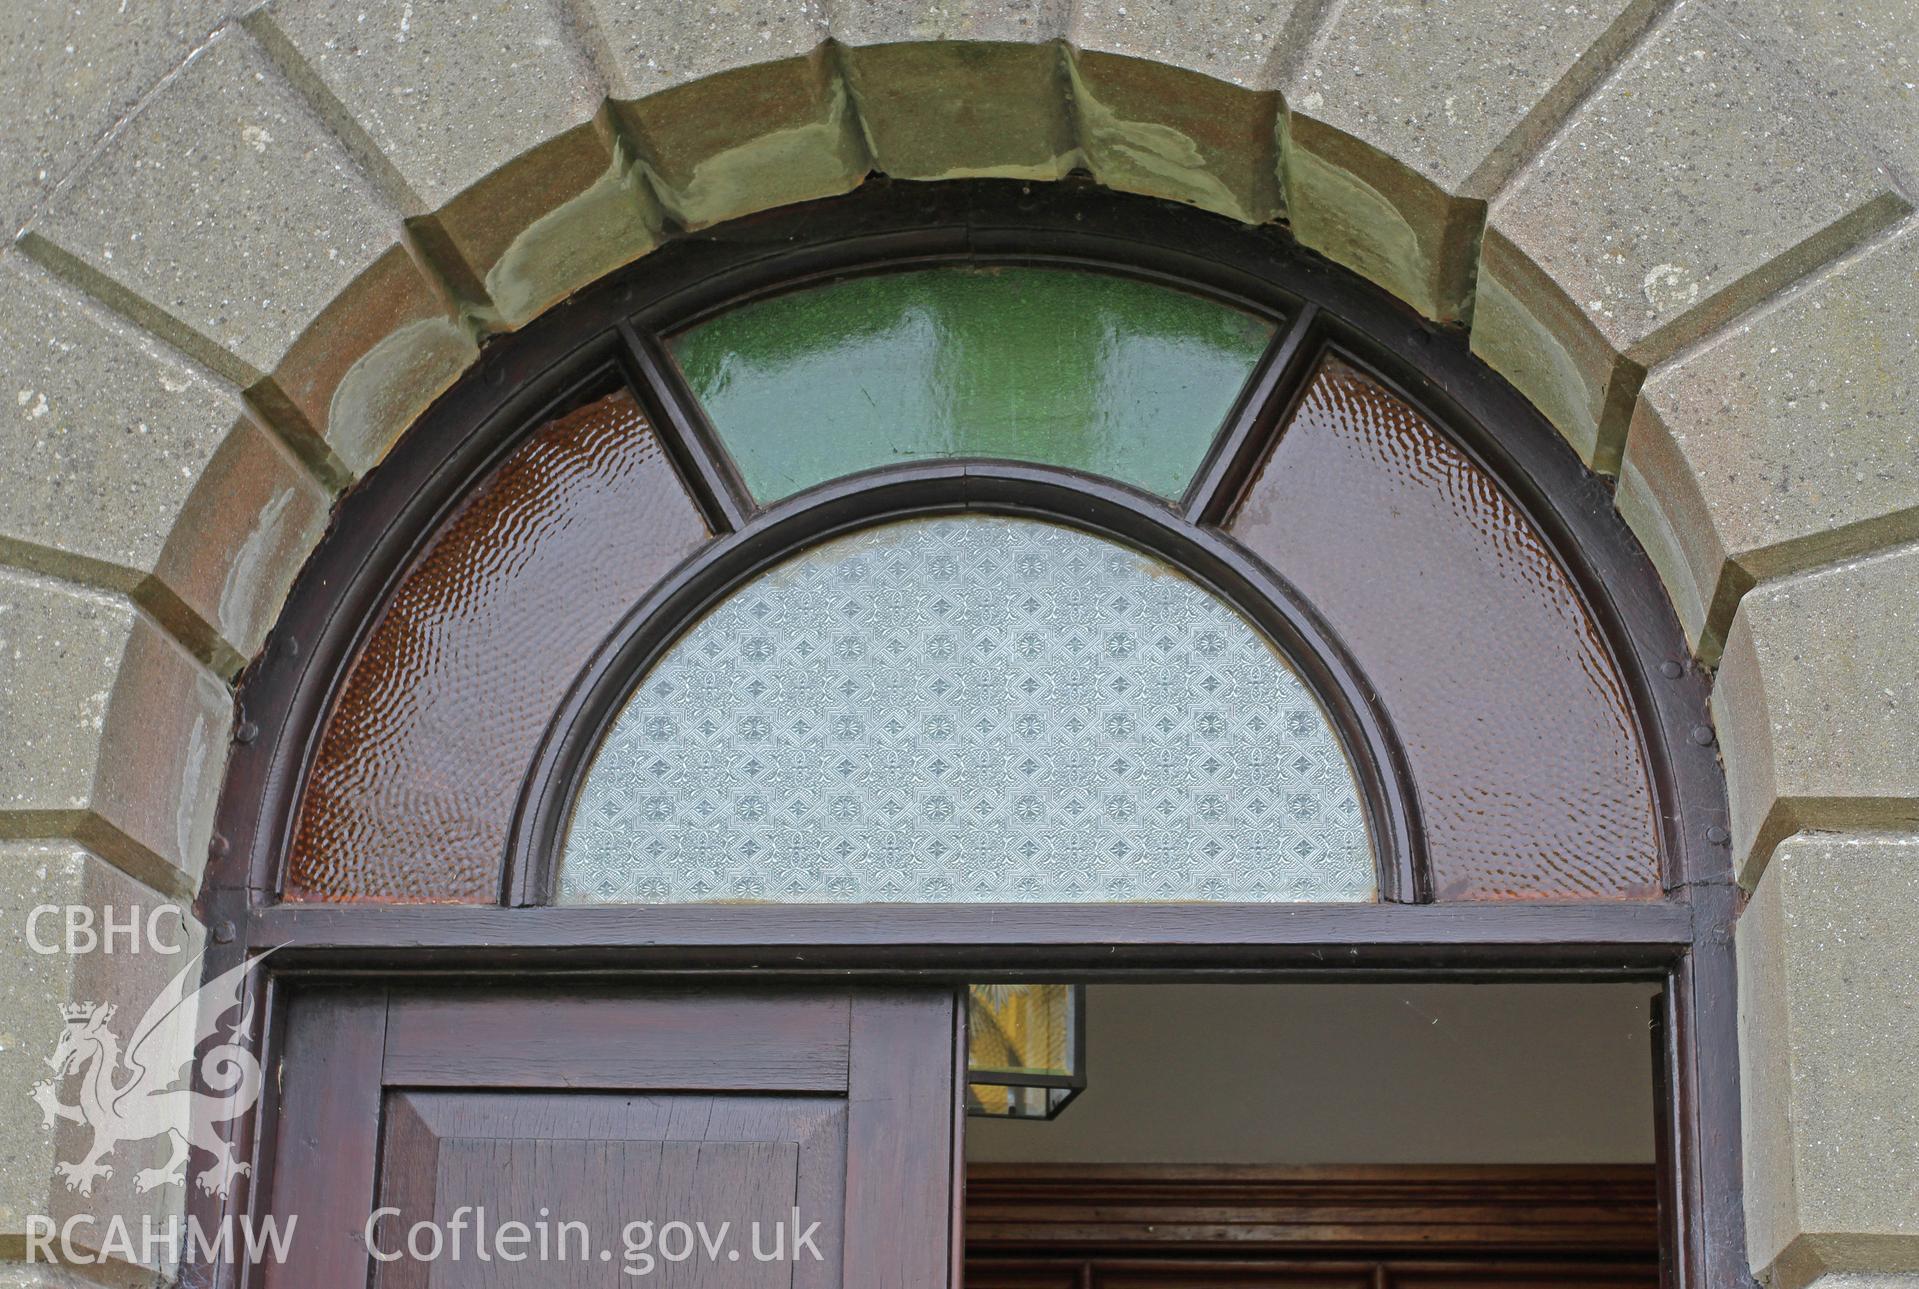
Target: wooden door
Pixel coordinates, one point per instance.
(710, 1139)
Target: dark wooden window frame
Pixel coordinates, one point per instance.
(610, 333)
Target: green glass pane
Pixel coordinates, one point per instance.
(1104, 374)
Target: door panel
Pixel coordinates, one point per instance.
(710, 1042)
(725, 1124)
(603, 1161)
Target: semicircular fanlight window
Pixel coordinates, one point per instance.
(969, 709)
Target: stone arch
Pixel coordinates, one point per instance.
(245, 285)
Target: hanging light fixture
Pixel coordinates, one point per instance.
(1025, 1049)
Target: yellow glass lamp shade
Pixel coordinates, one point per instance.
(1026, 1049)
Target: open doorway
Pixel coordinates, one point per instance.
(1425, 1134)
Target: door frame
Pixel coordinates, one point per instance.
(1682, 942)
(1686, 948)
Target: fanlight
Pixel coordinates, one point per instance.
(969, 709)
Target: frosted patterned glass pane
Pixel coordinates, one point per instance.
(969, 708)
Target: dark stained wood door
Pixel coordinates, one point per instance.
(546, 1137)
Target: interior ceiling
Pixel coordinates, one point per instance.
(1338, 1074)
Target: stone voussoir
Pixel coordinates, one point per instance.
(1829, 1036)
(226, 217)
(730, 113)
(967, 91)
(1789, 443)
(1403, 119)
(1166, 132)
(72, 72)
(118, 735)
(46, 962)
(1817, 705)
(143, 474)
(1526, 327)
(1861, 57)
(484, 123)
(1180, 100)
(1697, 180)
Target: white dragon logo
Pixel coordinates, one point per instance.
(147, 1103)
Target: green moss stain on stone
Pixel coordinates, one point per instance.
(1526, 352)
(1387, 223)
(392, 383)
(1149, 157)
(1171, 133)
(812, 158)
(612, 222)
(1350, 222)
(964, 109)
(1109, 375)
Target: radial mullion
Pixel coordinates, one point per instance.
(1269, 389)
(684, 431)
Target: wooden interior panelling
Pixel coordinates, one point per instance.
(1435, 1227)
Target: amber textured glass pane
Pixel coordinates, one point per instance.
(1109, 375)
(1531, 778)
(412, 792)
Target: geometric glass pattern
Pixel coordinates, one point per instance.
(969, 709)
(1114, 376)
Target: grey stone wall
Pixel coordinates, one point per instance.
(248, 245)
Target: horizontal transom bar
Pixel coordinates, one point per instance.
(1593, 936)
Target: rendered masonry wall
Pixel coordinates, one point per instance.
(254, 243)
